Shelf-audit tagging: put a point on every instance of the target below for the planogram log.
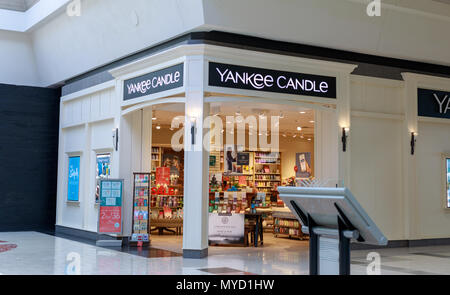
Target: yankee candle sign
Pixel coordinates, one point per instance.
(154, 82)
(240, 77)
(433, 103)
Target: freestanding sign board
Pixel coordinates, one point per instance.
(110, 211)
(332, 217)
(226, 229)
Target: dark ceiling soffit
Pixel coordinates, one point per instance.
(279, 47)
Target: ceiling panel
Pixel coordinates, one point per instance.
(17, 5)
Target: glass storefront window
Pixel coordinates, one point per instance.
(103, 171)
(447, 160)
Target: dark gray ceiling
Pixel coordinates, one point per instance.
(17, 5)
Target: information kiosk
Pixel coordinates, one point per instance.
(333, 218)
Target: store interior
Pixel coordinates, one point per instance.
(243, 179)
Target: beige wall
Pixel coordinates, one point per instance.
(431, 219)
(289, 147)
(376, 151)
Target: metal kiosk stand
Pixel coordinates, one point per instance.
(332, 217)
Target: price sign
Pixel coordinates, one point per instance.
(110, 211)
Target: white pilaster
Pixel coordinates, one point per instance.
(196, 164)
(409, 161)
(344, 121)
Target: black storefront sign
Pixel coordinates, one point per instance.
(249, 78)
(154, 82)
(433, 103)
(243, 159)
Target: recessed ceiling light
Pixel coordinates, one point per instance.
(302, 112)
(309, 139)
(299, 128)
(311, 121)
(158, 127)
(154, 118)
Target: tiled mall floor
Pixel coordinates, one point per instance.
(36, 253)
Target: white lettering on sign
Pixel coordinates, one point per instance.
(259, 81)
(441, 103)
(159, 81)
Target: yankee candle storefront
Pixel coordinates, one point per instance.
(387, 140)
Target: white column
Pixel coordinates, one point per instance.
(196, 164)
(409, 161)
(344, 121)
(85, 183)
(326, 147)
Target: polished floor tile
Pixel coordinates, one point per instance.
(32, 253)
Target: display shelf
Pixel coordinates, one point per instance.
(285, 224)
(141, 213)
(167, 205)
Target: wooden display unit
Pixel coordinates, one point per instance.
(286, 225)
(167, 208)
(267, 171)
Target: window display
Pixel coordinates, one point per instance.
(73, 183)
(447, 160)
(103, 171)
(247, 184)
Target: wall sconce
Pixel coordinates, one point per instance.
(413, 141)
(345, 132)
(115, 137)
(193, 129)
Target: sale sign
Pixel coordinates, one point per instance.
(110, 220)
(163, 176)
(110, 212)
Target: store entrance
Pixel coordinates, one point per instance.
(158, 190)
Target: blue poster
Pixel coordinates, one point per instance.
(448, 183)
(73, 184)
